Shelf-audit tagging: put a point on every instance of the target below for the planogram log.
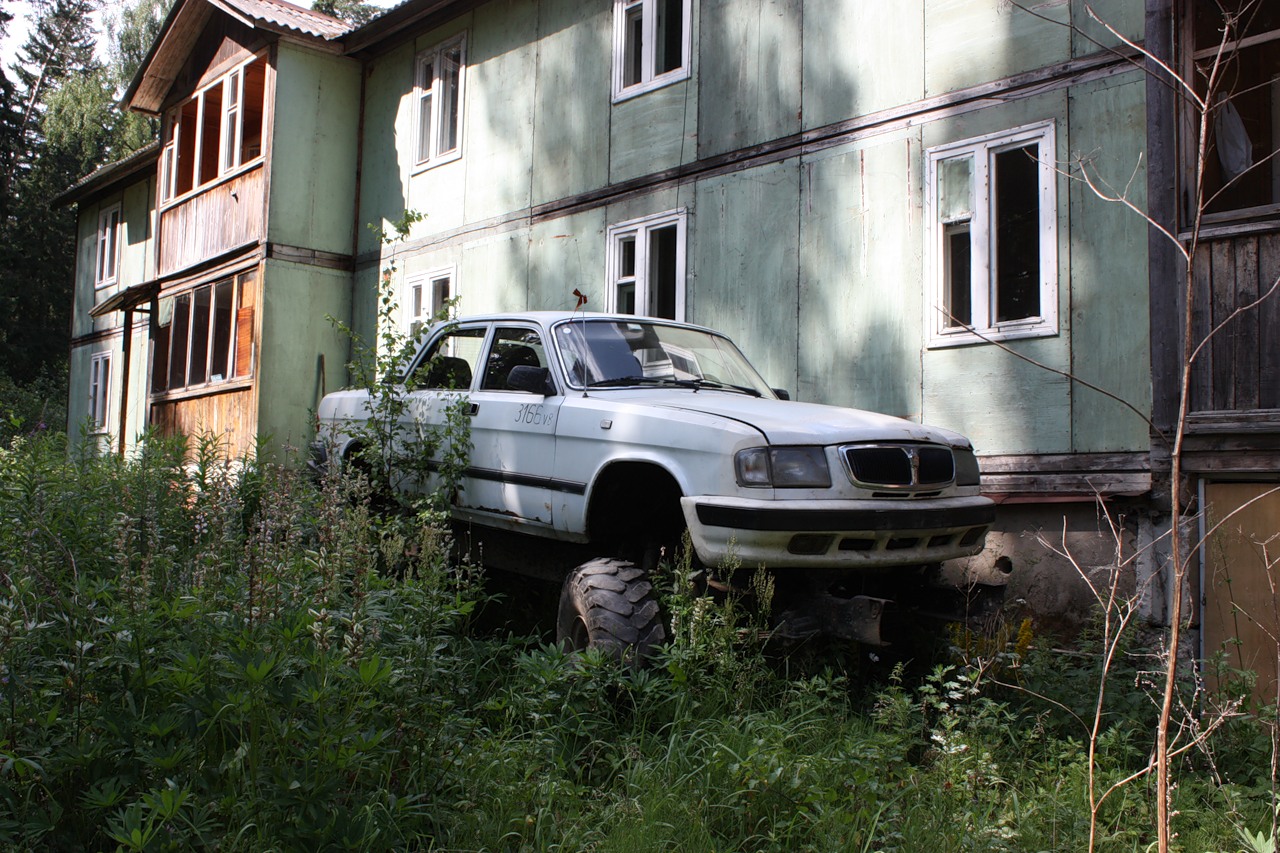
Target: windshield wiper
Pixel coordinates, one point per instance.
(695, 384)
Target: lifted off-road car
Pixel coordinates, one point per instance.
(598, 441)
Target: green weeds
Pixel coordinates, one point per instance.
(202, 655)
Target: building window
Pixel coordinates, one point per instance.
(108, 253)
(646, 266)
(651, 44)
(993, 237)
(216, 132)
(438, 97)
(429, 295)
(99, 391)
(1242, 163)
(204, 336)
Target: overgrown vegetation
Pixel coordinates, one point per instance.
(196, 655)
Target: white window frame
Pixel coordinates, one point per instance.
(422, 310)
(639, 230)
(99, 391)
(983, 295)
(428, 94)
(231, 129)
(649, 79)
(106, 268)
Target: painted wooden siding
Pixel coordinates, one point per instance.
(313, 150)
(228, 416)
(1108, 278)
(860, 274)
(967, 42)
(296, 340)
(858, 59)
(1239, 369)
(750, 52)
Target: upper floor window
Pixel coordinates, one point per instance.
(438, 102)
(99, 390)
(108, 251)
(993, 223)
(204, 336)
(651, 44)
(1242, 162)
(429, 293)
(646, 266)
(215, 132)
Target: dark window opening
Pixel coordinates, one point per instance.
(1017, 224)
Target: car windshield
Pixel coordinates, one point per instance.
(599, 353)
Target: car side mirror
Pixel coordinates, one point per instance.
(783, 393)
(535, 380)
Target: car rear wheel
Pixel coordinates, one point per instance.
(609, 604)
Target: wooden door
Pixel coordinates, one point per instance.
(1241, 585)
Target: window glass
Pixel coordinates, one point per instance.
(993, 237)
(651, 45)
(1242, 167)
(647, 266)
(205, 335)
(452, 362)
(439, 88)
(512, 347)
(99, 390)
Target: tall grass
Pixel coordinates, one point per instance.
(196, 655)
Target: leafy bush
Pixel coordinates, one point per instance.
(202, 655)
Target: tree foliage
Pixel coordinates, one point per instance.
(352, 11)
(60, 121)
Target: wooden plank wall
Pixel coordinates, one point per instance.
(231, 416)
(209, 223)
(1239, 369)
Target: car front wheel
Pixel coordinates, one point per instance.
(609, 604)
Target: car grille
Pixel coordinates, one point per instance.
(899, 466)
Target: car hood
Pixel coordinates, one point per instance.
(791, 422)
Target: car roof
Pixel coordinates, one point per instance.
(550, 318)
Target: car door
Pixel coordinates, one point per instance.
(439, 383)
(512, 433)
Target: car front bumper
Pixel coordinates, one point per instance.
(853, 534)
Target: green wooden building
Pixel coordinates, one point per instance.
(925, 208)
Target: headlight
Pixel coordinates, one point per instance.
(966, 467)
(783, 467)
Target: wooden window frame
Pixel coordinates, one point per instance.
(228, 159)
(106, 268)
(238, 345)
(416, 288)
(941, 332)
(429, 90)
(639, 231)
(99, 392)
(624, 11)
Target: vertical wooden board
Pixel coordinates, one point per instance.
(967, 42)
(1105, 268)
(1201, 320)
(498, 103)
(387, 144)
(848, 49)
(1093, 23)
(748, 54)
(85, 295)
(1223, 289)
(1002, 403)
(565, 254)
(654, 131)
(313, 152)
(572, 109)
(1243, 331)
(136, 240)
(860, 273)
(744, 261)
(1269, 322)
(493, 273)
(294, 332)
(1241, 599)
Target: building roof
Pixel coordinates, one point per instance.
(186, 21)
(112, 175)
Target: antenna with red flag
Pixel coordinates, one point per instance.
(582, 298)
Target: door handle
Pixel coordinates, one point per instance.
(473, 409)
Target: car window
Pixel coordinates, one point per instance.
(452, 361)
(512, 347)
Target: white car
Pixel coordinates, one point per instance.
(614, 435)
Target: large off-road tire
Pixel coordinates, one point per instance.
(610, 605)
